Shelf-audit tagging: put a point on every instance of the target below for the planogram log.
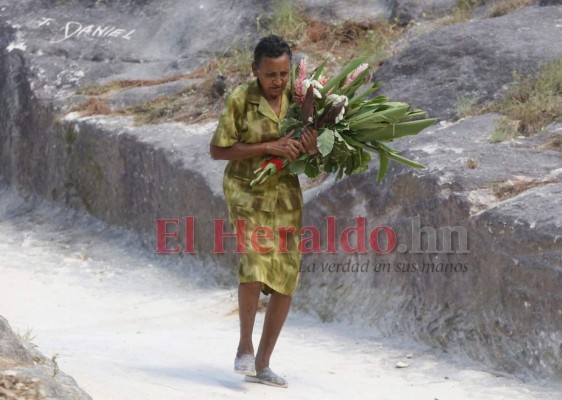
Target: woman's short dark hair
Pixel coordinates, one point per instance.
(271, 46)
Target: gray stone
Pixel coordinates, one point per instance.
(139, 95)
(21, 364)
(70, 46)
(11, 349)
(505, 196)
(362, 11)
(487, 304)
(405, 11)
(474, 60)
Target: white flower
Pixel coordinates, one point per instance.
(336, 99)
(315, 84)
(340, 115)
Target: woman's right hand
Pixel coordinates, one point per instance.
(286, 147)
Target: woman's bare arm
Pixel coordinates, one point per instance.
(284, 147)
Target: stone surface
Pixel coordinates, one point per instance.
(70, 45)
(405, 11)
(355, 10)
(12, 352)
(486, 304)
(473, 60)
(27, 373)
(505, 196)
(139, 95)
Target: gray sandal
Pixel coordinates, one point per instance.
(245, 364)
(267, 377)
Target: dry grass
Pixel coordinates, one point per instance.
(472, 163)
(506, 6)
(196, 104)
(531, 103)
(505, 190)
(466, 106)
(534, 101)
(463, 10)
(553, 144)
(319, 40)
(97, 90)
(92, 106)
(505, 129)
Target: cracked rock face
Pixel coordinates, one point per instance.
(76, 43)
(473, 60)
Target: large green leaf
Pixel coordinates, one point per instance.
(359, 97)
(340, 138)
(390, 115)
(393, 131)
(325, 142)
(406, 161)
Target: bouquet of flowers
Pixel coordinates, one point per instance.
(350, 126)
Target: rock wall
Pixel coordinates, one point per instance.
(471, 61)
(494, 296)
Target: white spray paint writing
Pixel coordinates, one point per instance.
(46, 21)
(76, 30)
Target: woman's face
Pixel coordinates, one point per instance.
(273, 75)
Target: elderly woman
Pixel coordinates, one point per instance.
(247, 132)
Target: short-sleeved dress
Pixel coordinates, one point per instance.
(276, 204)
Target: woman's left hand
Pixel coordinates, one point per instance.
(309, 136)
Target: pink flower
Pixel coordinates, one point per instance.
(299, 89)
(355, 74)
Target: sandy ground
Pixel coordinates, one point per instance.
(128, 326)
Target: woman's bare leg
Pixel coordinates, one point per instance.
(277, 311)
(248, 297)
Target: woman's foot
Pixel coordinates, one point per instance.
(245, 364)
(267, 377)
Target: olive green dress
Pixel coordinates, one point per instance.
(275, 204)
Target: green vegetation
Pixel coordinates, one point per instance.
(532, 102)
(320, 39)
(507, 6)
(466, 105)
(286, 20)
(464, 9)
(505, 129)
